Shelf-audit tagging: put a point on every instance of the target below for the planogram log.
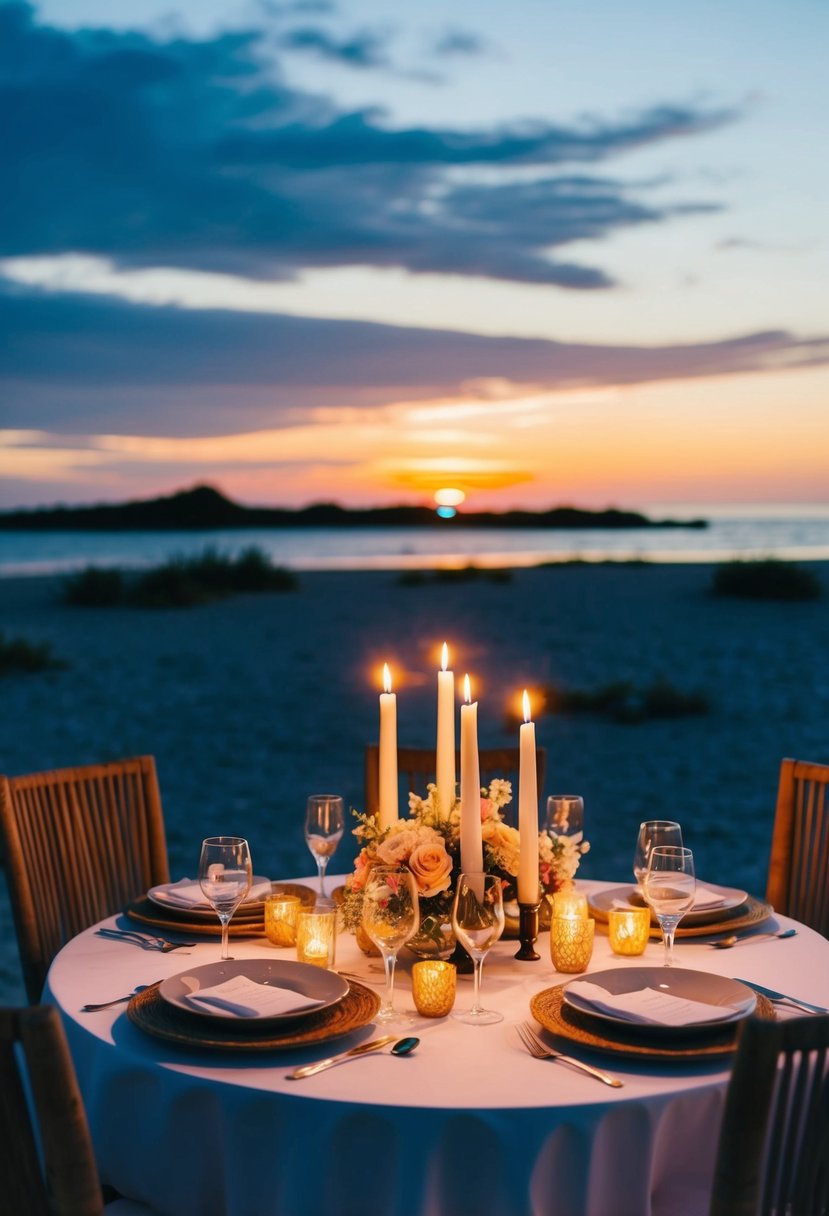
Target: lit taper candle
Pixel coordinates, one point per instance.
(388, 809)
(445, 752)
(528, 881)
(472, 848)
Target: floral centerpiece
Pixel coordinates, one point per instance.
(428, 843)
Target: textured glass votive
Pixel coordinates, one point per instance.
(281, 913)
(628, 929)
(571, 942)
(316, 937)
(433, 987)
(570, 903)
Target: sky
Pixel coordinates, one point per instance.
(342, 250)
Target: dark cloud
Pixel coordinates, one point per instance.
(198, 154)
(75, 364)
(362, 50)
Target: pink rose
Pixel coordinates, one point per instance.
(432, 868)
(395, 850)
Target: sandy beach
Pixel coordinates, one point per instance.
(252, 703)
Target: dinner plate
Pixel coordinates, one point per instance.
(324, 986)
(164, 896)
(736, 1000)
(731, 899)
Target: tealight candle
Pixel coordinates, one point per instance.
(316, 936)
(569, 904)
(281, 913)
(628, 929)
(571, 942)
(433, 987)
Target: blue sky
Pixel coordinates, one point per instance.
(314, 250)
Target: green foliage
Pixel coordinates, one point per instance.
(19, 657)
(769, 579)
(181, 582)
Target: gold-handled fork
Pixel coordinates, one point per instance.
(541, 1052)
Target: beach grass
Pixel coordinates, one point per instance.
(21, 657)
(181, 582)
(767, 579)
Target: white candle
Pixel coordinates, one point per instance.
(472, 849)
(445, 753)
(388, 810)
(528, 881)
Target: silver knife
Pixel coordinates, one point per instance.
(783, 996)
(308, 1070)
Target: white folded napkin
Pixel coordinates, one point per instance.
(244, 998)
(704, 897)
(186, 893)
(650, 1005)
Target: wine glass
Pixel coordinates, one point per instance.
(668, 886)
(391, 915)
(225, 875)
(653, 833)
(324, 824)
(478, 921)
(565, 814)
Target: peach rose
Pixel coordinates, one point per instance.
(432, 868)
(395, 850)
(504, 842)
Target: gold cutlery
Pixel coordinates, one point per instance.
(115, 1001)
(541, 1052)
(308, 1070)
(736, 939)
(148, 941)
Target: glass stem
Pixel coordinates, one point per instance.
(322, 862)
(389, 961)
(478, 966)
(668, 931)
(225, 921)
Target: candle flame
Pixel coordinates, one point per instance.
(526, 702)
(467, 691)
(444, 657)
(386, 678)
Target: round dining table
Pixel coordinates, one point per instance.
(469, 1124)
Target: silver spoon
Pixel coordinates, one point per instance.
(725, 943)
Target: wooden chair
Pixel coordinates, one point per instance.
(79, 843)
(798, 879)
(35, 1061)
(773, 1152)
(416, 767)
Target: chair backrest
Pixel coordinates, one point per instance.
(798, 878)
(35, 1063)
(416, 767)
(773, 1153)
(79, 843)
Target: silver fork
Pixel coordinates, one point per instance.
(541, 1052)
(147, 941)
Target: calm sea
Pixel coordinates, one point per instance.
(800, 533)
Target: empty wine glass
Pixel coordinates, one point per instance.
(478, 921)
(653, 833)
(668, 886)
(324, 825)
(565, 814)
(225, 876)
(391, 915)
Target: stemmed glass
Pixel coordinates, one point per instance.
(653, 833)
(225, 876)
(565, 814)
(668, 886)
(478, 922)
(391, 915)
(324, 825)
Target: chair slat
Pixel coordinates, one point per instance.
(798, 876)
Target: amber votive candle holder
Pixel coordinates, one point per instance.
(571, 942)
(316, 937)
(569, 903)
(628, 929)
(281, 912)
(433, 987)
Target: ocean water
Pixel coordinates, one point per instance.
(800, 533)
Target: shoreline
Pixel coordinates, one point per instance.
(251, 703)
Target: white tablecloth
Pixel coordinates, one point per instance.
(469, 1125)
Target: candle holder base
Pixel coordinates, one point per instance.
(528, 932)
